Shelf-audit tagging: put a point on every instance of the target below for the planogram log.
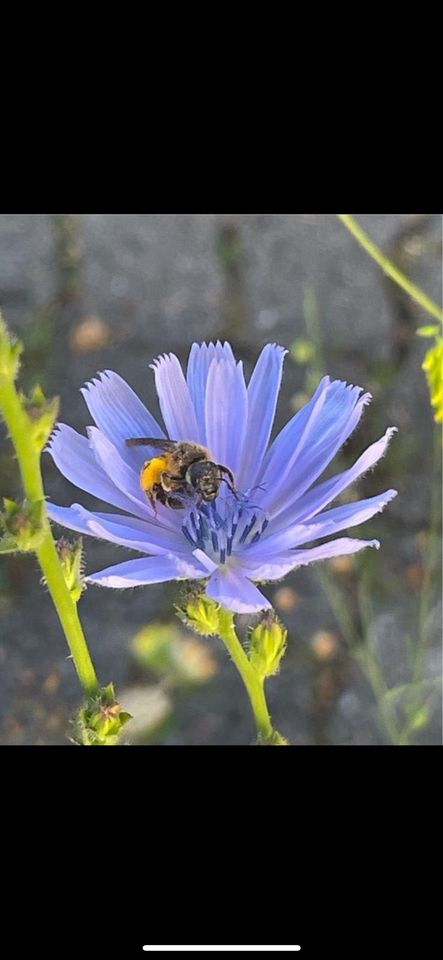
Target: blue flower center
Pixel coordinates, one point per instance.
(224, 526)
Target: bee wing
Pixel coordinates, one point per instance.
(151, 442)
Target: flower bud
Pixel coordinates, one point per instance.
(267, 645)
(10, 350)
(42, 414)
(71, 559)
(22, 526)
(201, 614)
(100, 722)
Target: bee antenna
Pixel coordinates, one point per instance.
(228, 484)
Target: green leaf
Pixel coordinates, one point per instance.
(409, 691)
(124, 717)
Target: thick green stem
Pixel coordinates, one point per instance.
(389, 268)
(18, 425)
(253, 683)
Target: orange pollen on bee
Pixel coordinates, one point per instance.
(151, 472)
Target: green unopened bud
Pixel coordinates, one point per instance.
(42, 415)
(100, 722)
(10, 350)
(201, 614)
(71, 558)
(267, 645)
(21, 525)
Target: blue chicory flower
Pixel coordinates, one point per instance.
(261, 533)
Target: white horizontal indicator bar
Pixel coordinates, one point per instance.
(200, 948)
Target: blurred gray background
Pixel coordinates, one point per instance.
(87, 292)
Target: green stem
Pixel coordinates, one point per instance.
(253, 683)
(28, 458)
(389, 268)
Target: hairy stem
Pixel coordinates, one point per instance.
(389, 268)
(28, 458)
(253, 683)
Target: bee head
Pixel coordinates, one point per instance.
(204, 477)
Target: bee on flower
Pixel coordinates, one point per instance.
(207, 495)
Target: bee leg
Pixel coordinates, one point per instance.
(169, 482)
(152, 501)
(167, 487)
(174, 503)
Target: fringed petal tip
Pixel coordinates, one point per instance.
(162, 358)
(102, 378)
(55, 437)
(219, 350)
(334, 548)
(382, 446)
(363, 398)
(389, 495)
(48, 447)
(275, 348)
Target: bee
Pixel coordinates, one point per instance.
(183, 467)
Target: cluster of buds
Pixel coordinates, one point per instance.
(99, 723)
(267, 640)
